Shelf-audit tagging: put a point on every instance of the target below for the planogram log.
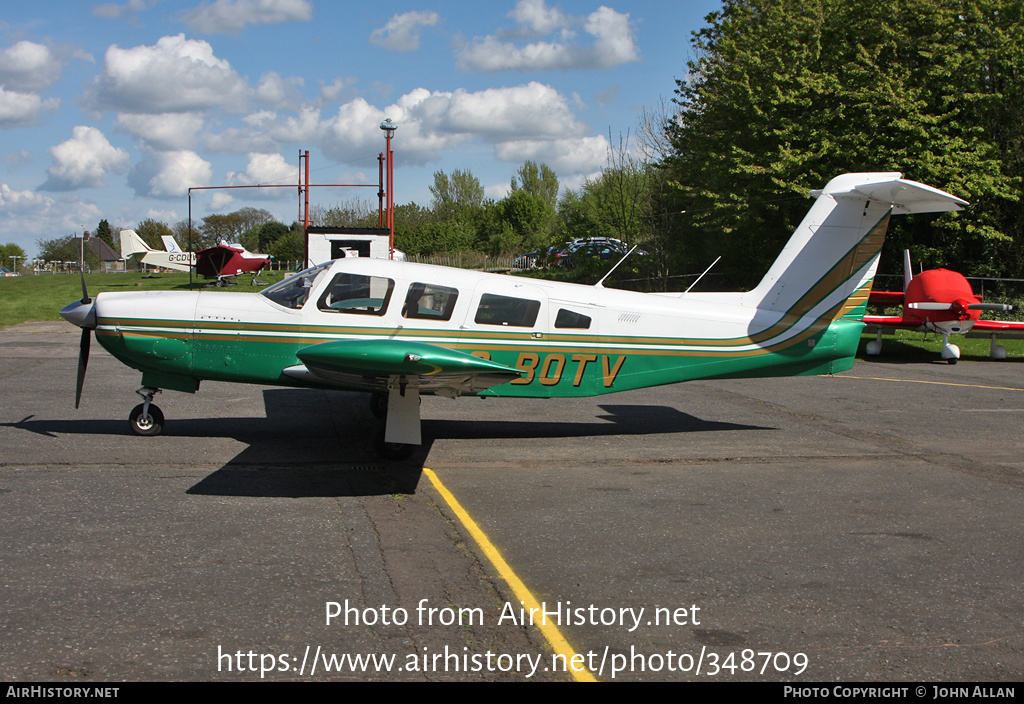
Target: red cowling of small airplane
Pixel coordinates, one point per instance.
(949, 293)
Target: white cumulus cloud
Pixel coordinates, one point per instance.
(174, 75)
(402, 32)
(22, 202)
(613, 42)
(535, 17)
(277, 91)
(265, 169)
(164, 132)
(23, 109)
(430, 122)
(84, 161)
(227, 16)
(578, 155)
(169, 174)
(28, 216)
(27, 66)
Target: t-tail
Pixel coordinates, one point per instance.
(827, 267)
(807, 312)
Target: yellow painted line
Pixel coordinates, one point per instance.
(939, 383)
(554, 637)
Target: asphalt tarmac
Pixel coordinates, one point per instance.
(865, 527)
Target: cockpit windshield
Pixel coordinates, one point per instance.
(294, 291)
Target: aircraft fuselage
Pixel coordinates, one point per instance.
(563, 339)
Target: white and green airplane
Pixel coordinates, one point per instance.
(398, 330)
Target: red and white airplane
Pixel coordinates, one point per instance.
(942, 301)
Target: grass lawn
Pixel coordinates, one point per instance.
(41, 297)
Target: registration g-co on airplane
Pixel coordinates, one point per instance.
(398, 330)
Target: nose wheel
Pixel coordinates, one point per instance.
(146, 418)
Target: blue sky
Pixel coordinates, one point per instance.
(113, 110)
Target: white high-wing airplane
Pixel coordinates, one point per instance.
(173, 258)
(397, 330)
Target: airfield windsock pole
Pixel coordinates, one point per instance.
(389, 131)
(380, 190)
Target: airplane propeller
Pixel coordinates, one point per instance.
(83, 314)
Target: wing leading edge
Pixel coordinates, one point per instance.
(369, 365)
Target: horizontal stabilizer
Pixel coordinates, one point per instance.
(886, 298)
(904, 196)
(388, 357)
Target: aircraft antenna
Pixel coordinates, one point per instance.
(701, 276)
(598, 284)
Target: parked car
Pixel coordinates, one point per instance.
(4, 271)
(552, 256)
(603, 248)
(600, 247)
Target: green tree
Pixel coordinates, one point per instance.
(104, 232)
(151, 231)
(259, 238)
(786, 94)
(350, 213)
(537, 180)
(526, 222)
(290, 246)
(456, 192)
(12, 256)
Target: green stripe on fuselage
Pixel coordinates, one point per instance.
(549, 369)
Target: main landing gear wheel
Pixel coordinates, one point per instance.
(394, 451)
(146, 424)
(379, 405)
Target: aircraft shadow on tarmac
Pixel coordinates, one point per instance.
(299, 450)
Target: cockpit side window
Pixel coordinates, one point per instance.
(572, 319)
(506, 310)
(429, 302)
(357, 293)
(293, 292)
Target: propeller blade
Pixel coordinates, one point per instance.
(85, 294)
(990, 306)
(83, 362)
(81, 270)
(930, 305)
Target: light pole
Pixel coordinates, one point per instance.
(389, 131)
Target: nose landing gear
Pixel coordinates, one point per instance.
(147, 418)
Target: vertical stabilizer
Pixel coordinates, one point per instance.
(826, 268)
(131, 244)
(170, 245)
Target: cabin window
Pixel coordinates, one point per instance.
(570, 319)
(429, 302)
(505, 310)
(357, 293)
(293, 292)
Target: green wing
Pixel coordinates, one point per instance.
(367, 365)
